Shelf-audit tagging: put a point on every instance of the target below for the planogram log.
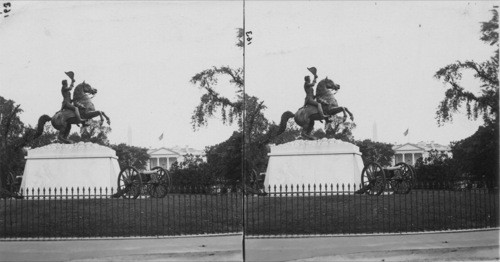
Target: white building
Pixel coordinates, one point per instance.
(165, 157)
(410, 153)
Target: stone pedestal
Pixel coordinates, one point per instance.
(325, 161)
(81, 165)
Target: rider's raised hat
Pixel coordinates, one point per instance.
(70, 74)
(312, 70)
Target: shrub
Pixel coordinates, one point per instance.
(381, 153)
(193, 174)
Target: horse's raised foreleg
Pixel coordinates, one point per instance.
(105, 116)
(335, 110)
(102, 116)
(350, 114)
(345, 114)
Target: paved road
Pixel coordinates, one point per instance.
(460, 246)
(218, 248)
(478, 245)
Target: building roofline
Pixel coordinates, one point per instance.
(396, 147)
(158, 149)
(178, 153)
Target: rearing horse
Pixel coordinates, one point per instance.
(63, 119)
(306, 115)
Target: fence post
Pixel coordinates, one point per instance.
(5, 216)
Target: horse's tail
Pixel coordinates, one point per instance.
(41, 123)
(284, 120)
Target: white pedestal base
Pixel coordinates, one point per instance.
(326, 161)
(82, 165)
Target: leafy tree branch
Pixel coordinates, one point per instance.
(485, 101)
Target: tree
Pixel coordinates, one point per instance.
(194, 174)
(245, 110)
(137, 157)
(14, 136)
(437, 167)
(381, 153)
(484, 103)
(231, 110)
(93, 133)
(212, 101)
(482, 147)
(224, 159)
(11, 128)
(338, 130)
(477, 155)
(48, 136)
(291, 133)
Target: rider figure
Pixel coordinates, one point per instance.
(66, 93)
(308, 87)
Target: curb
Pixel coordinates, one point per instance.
(368, 234)
(118, 238)
(247, 236)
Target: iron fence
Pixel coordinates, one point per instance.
(340, 209)
(55, 213)
(277, 210)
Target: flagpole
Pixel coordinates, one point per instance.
(406, 133)
(160, 138)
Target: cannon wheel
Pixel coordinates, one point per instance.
(11, 188)
(160, 183)
(256, 185)
(129, 182)
(373, 179)
(13, 185)
(402, 181)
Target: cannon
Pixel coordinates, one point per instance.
(131, 182)
(376, 179)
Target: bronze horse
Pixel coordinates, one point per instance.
(306, 115)
(63, 119)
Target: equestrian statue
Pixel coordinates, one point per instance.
(74, 111)
(321, 107)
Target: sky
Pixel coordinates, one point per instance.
(383, 54)
(141, 55)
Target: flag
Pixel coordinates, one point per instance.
(406, 132)
(161, 137)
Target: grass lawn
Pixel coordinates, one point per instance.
(176, 214)
(420, 210)
(100, 217)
